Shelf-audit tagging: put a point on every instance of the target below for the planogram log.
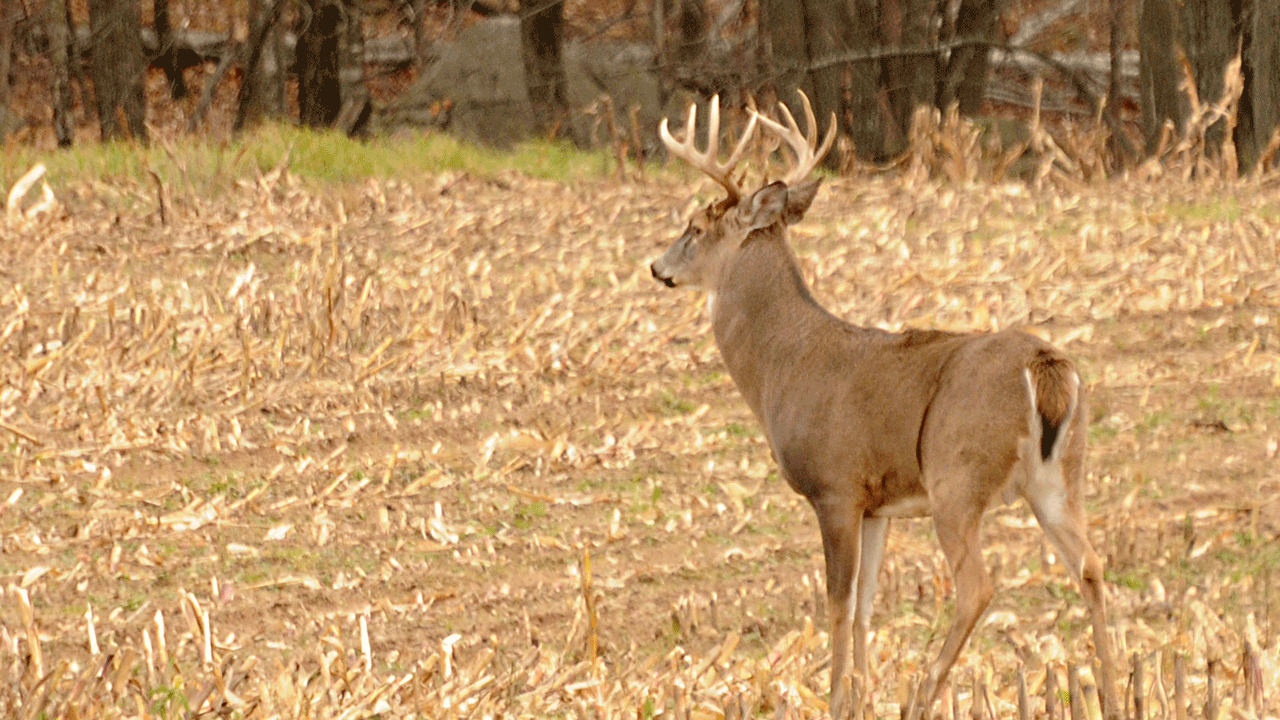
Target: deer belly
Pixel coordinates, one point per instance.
(904, 507)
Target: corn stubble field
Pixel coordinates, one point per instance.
(443, 449)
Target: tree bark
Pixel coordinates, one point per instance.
(1209, 38)
(855, 90)
(357, 108)
(318, 62)
(784, 50)
(911, 80)
(542, 38)
(117, 68)
(167, 58)
(419, 8)
(1158, 71)
(61, 51)
(261, 91)
(1207, 34)
(692, 25)
(1262, 81)
(965, 79)
(1115, 47)
(78, 55)
(8, 21)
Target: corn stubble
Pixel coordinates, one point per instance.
(437, 370)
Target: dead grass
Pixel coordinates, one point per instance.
(306, 452)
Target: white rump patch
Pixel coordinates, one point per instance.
(1045, 487)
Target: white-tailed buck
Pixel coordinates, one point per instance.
(870, 425)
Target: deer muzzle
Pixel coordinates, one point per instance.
(660, 275)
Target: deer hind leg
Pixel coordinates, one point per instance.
(958, 532)
(841, 526)
(1065, 525)
(874, 532)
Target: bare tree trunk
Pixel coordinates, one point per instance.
(419, 8)
(277, 65)
(1159, 71)
(261, 91)
(8, 21)
(117, 68)
(356, 110)
(850, 90)
(1115, 46)
(542, 37)
(318, 63)
(60, 55)
(1209, 38)
(692, 24)
(784, 51)
(75, 60)
(168, 59)
(910, 79)
(1208, 34)
(1262, 89)
(965, 79)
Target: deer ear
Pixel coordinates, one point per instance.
(799, 197)
(765, 206)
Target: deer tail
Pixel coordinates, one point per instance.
(1053, 387)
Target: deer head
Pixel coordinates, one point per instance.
(697, 257)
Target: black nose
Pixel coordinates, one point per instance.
(665, 280)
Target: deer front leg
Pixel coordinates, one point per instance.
(841, 526)
(874, 532)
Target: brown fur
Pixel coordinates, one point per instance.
(869, 425)
(1050, 372)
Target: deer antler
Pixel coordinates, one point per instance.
(721, 172)
(808, 153)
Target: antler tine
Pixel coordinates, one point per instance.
(808, 153)
(721, 172)
(713, 129)
(680, 150)
(736, 156)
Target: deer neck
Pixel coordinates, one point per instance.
(762, 314)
